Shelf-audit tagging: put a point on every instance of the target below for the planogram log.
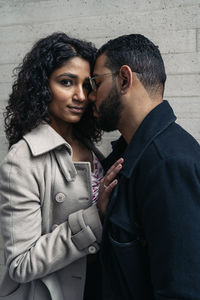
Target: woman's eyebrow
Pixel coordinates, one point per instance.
(67, 74)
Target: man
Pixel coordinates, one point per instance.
(151, 238)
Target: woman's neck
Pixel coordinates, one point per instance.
(64, 131)
(79, 150)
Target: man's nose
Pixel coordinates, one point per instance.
(92, 96)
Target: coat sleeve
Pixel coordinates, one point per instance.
(29, 253)
(170, 212)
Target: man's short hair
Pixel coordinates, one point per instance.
(141, 55)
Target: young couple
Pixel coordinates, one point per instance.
(57, 190)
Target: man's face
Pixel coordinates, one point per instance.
(106, 98)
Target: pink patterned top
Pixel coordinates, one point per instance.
(97, 174)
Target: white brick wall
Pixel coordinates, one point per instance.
(173, 25)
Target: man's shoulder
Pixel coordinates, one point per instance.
(174, 144)
(176, 141)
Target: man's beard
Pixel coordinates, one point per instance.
(110, 111)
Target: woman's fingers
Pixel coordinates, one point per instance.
(113, 167)
(109, 188)
(107, 183)
(112, 172)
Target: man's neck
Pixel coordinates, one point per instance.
(132, 118)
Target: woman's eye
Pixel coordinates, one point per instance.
(66, 82)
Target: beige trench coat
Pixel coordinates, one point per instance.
(48, 222)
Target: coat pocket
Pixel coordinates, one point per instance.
(10, 290)
(8, 287)
(21, 293)
(131, 263)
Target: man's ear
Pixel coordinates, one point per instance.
(125, 79)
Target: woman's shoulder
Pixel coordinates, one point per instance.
(17, 162)
(20, 149)
(19, 153)
(20, 160)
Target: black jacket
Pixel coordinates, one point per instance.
(151, 237)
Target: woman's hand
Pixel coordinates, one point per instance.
(107, 183)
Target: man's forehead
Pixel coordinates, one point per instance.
(100, 65)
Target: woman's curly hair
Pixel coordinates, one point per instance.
(28, 103)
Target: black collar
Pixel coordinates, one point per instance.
(153, 124)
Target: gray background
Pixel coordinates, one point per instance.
(174, 25)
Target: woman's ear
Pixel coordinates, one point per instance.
(125, 79)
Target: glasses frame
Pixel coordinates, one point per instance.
(92, 79)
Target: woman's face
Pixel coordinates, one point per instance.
(69, 86)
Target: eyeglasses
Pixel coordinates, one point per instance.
(93, 82)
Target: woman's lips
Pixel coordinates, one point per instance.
(76, 109)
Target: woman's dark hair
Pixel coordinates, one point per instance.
(141, 55)
(30, 97)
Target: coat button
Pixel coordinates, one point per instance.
(60, 197)
(92, 249)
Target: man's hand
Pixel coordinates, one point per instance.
(107, 183)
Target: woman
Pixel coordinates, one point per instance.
(50, 176)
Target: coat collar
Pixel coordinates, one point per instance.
(43, 139)
(153, 124)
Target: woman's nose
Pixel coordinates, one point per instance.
(80, 94)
